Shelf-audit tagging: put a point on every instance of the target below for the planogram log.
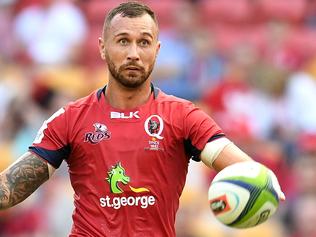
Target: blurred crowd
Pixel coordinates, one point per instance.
(250, 64)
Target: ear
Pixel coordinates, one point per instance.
(158, 48)
(102, 48)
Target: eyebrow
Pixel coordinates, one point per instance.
(126, 34)
(121, 34)
(148, 34)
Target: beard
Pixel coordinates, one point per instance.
(129, 79)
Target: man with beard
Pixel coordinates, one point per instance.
(127, 175)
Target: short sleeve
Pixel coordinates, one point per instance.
(199, 128)
(51, 142)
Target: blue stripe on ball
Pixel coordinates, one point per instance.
(254, 194)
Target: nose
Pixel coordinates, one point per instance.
(133, 54)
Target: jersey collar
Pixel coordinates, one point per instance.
(154, 90)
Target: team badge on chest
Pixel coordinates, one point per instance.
(101, 132)
(154, 127)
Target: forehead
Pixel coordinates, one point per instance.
(135, 25)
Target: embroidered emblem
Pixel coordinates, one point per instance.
(100, 133)
(154, 126)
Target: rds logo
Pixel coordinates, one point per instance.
(101, 132)
(116, 176)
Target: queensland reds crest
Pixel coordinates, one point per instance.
(100, 133)
(154, 126)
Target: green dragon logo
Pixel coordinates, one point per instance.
(117, 175)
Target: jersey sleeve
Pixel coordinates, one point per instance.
(51, 142)
(199, 129)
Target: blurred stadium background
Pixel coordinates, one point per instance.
(251, 64)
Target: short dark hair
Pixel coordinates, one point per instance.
(129, 9)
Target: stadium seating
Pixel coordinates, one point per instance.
(225, 10)
(292, 10)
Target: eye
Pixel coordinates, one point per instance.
(144, 43)
(123, 41)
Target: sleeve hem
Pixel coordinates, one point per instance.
(43, 158)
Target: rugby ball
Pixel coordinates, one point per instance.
(244, 194)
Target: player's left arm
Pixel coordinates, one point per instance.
(222, 152)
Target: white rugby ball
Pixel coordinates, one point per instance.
(244, 194)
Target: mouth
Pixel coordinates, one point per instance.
(125, 180)
(133, 68)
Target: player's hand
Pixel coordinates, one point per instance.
(281, 196)
(277, 187)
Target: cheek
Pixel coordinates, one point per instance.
(149, 57)
(116, 56)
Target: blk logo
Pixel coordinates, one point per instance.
(130, 115)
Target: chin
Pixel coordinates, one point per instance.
(132, 82)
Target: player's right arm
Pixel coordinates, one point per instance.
(36, 166)
(22, 178)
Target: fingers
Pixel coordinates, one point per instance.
(276, 186)
(281, 196)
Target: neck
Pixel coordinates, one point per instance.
(121, 97)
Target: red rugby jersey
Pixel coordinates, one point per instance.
(127, 167)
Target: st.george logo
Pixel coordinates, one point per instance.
(100, 133)
(139, 197)
(116, 176)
